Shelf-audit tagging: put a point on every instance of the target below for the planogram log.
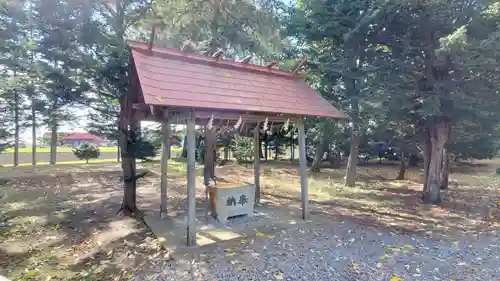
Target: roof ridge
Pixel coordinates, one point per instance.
(196, 57)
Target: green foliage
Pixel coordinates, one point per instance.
(153, 136)
(242, 148)
(239, 27)
(138, 147)
(471, 141)
(372, 59)
(394, 67)
(145, 150)
(5, 133)
(86, 151)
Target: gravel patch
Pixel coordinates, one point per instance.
(340, 251)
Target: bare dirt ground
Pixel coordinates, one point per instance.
(472, 203)
(60, 223)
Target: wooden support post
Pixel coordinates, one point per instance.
(191, 181)
(135, 126)
(256, 162)
(165, 137)
(303, 169)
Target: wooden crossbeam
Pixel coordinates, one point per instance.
(273, 63)
(299, 65)
(218, 53)
(245, 59)
(159, 113)
(186, 44)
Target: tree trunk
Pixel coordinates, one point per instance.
(352, 163)
(334, 159)
(427, 156)
(266, 145)
(53, 142)
(402, 167)
(214, 27)
(184, 149)
(260, 149)
(126, 140)
(351, 88)
(438, 138)
(226, 153)
(318, 156)
(209, 157)
(445, 170)
(270, 150)
(276, 147)
(16, 128)
(292, 148)
(86, 161)
(118, 153)
(33, 135)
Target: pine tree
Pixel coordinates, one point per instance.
(341, 38)
(441, 75)
(86, 151)
(62, 29)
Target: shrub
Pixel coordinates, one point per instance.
(242, 149)
(144, 150)
(86, 151)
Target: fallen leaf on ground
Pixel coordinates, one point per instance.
(354, 265)
(396, 277)
(260, 234)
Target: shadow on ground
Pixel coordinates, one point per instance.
(62, 223)
(65, 227)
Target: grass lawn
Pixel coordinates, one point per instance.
(91, 161)
(69, 149)
(60, 222)
(59, 149)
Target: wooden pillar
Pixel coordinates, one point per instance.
(191, 181)
(165, 141)
(135, 126)
(303, 170)
(256, 162)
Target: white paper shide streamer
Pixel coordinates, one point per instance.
(238, 123)
(286, 125)
(264, 127)
(210, 122)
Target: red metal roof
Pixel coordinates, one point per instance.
(82, 136)
(174, 78)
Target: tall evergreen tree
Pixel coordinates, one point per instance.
(111, 84)
(443, 70)
(341, 38)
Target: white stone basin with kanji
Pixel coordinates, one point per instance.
(234, 201)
